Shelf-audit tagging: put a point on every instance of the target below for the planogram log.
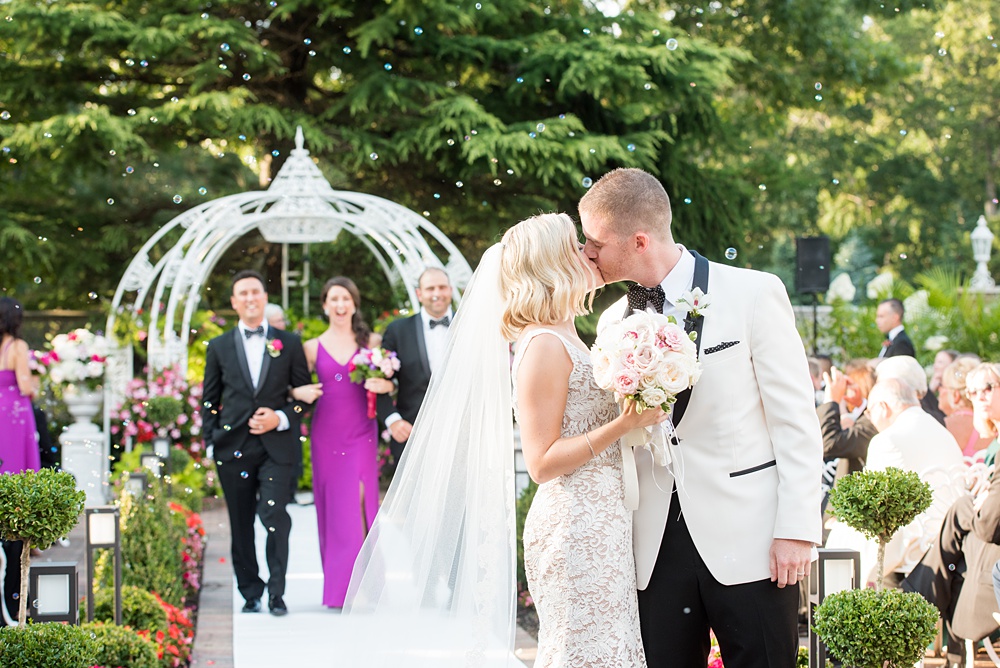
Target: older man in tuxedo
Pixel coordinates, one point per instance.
(252, 427)
(717, 546)
(420, 342)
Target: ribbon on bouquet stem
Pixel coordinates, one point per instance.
(372, 405)
(658, 439)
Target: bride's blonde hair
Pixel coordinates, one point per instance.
(542, 277)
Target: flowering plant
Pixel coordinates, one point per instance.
(77, 357)
(274, 347)
(372, 363)
(193, 546)
(649, 359)
(165, 407)
(173, 646)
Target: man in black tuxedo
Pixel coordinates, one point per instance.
(420, 342)
(889, 320)
(252, 428)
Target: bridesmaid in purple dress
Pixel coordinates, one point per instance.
(344, 438)
(19, 445)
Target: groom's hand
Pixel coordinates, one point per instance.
(263, 421)
(790, 561)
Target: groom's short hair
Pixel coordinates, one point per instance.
(630, 200)
(248, 273)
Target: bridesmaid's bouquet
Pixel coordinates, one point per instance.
(649, 359)
(372, 363)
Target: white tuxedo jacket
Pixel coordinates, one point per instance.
(750, 453)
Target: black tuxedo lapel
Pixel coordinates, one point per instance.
(241, 355)
(266, 364)
(693, 324)
(418, 325)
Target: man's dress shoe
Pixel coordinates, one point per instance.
(252, 605)
(277, 606)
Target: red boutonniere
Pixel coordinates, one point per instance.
(274, 347)
(887, 343)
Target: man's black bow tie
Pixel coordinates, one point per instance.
(445, 321)
(639, 297)
(254, 332)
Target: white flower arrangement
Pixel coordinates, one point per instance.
(77, 358)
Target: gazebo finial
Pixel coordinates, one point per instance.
(300, 139)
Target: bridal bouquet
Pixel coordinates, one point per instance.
(649, 359)
(372, 363)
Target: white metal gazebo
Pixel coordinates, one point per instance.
(299, 207)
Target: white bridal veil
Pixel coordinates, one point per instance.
(434, 584)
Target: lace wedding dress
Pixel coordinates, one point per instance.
(578, 543)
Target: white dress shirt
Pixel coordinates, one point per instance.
(436, 339)
(254, 347)
(436, 344)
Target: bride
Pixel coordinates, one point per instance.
(434, 584)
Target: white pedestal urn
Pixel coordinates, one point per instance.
(83, 444)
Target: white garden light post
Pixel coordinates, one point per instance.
(982, 247)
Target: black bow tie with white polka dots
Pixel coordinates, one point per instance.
(639, 296)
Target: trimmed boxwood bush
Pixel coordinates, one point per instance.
(39, 508)
(49, 645)
(865, 628)
(871, 628)
(140, 609)
(121, 647)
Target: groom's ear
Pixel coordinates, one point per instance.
(640, 241)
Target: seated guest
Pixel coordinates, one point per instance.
(979, 386)
(910, 440)
(908, 369)
(956, 573)
(955, 404)
(941, 361)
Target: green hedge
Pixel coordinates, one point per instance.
(121, 647)
(48, 645)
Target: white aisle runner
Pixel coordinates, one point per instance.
(310, 635)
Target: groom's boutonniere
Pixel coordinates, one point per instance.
(274, 347)
(694, 303)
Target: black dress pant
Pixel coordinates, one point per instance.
(754, 622)
(254, 485)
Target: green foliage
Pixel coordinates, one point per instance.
(39, 507)
(865, 628)
(121, 647)
(521, 509)
(49, 644)
(189, 480)
(163, 410)
(306, 479)
(878, 503)
(140, 609)
(151, 547)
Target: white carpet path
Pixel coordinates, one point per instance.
(310, 635)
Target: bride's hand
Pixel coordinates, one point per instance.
(648, 417)
(308, 393)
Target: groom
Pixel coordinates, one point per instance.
(253, 430)
(723, 545)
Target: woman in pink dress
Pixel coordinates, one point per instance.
(344, 440)
(19, 445)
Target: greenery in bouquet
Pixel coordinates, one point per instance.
(164, 407)
(76, 359)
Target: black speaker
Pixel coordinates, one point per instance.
(812, 261)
